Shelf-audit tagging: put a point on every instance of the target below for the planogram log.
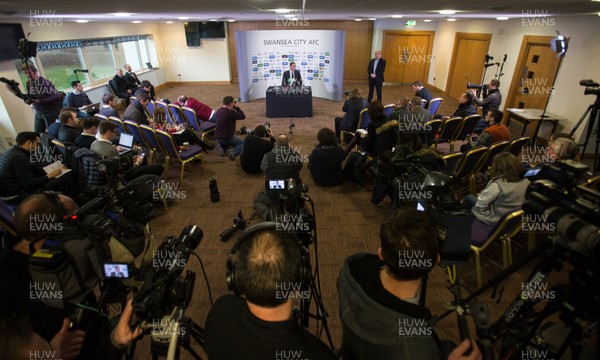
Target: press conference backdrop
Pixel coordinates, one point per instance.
(263, 56)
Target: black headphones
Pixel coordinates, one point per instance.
(59, 208)
(232, 278)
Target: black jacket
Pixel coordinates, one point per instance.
(378, 72)
(17, 175)
(286, 78)
(68, 134)
(254, 150)
(352, 108)
(424, 93)
(135, 112)
(325, 164)
(120, 86)
(87, 168)
(465, 110)
(375, 143)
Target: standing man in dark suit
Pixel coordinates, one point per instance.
(287, 78)
(376, 69)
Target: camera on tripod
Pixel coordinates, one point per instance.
(591, 87)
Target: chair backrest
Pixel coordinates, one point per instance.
(364, 119)
(150, 108)
(164, 105)
(7, 220)
(100, 117)
(432, 127)
(493, 150)
(452, 160)
(134, 129)
(517, 145)
(110, 87)
(434, 106)
(177, 114)
(192, 119)
(450, 129)
(469, 124)
(471, 162)
(166, 140)
(508, 226)
(388, 109)
(150, 135)
(60, 146)
(119, 124)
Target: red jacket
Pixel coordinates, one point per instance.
(203, 111)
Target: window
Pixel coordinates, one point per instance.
(57, 60)
(100, 60)
(58, 66)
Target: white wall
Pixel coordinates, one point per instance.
(210, 62)
(580, 62)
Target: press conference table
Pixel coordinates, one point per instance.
(286, 101)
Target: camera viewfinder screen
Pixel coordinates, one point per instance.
(113, 270)
(276, 184)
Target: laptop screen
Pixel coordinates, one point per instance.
(126, 140)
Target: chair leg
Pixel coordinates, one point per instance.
(478, 267)
(182, 169)
(509, 251)
(472, 184)
(504, 253)
(166, 171)
(451, 146)
(530, 240)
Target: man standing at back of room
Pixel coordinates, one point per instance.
(375, 70)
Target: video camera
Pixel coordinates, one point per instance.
(14, 87)
(163, 288)
(591, 87)
(245, 131)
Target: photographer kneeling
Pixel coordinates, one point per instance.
(255, 147)
(263, 324)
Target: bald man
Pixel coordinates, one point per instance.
(375, 70)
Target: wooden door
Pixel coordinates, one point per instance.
(534, 75)
(408, 56)
(468, 60)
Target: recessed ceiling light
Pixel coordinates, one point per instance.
(212, 20)
(288, 16)
(502, 18)
(122, 14)
(447, 12)
(183, 18)
(282, 11)
(231, 20)
(372, 19)
(169, 22)
(427, 20)
(137, 22)
(451, 19)
(81, 21)
(357, 19)
(397, 16)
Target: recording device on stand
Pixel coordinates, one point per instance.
(14, 87)
(165, 295)
(593, 121)
(523, 328)
(78, 71)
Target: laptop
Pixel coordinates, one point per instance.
(92, 108)
(126, 142)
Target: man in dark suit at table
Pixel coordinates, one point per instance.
(288, 80)
(376, 69)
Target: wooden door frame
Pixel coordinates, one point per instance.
(430, 34)
(487, 37)
(521, 60)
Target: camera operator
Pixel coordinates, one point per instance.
(49, 322)
(255, 147)
(325, 161)
(492, 101)
(226, 118)
(379, 293)
(263, 323)
(45, 99)
(279, 164)
(104, 147)
(20, 176)
(351, 108)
